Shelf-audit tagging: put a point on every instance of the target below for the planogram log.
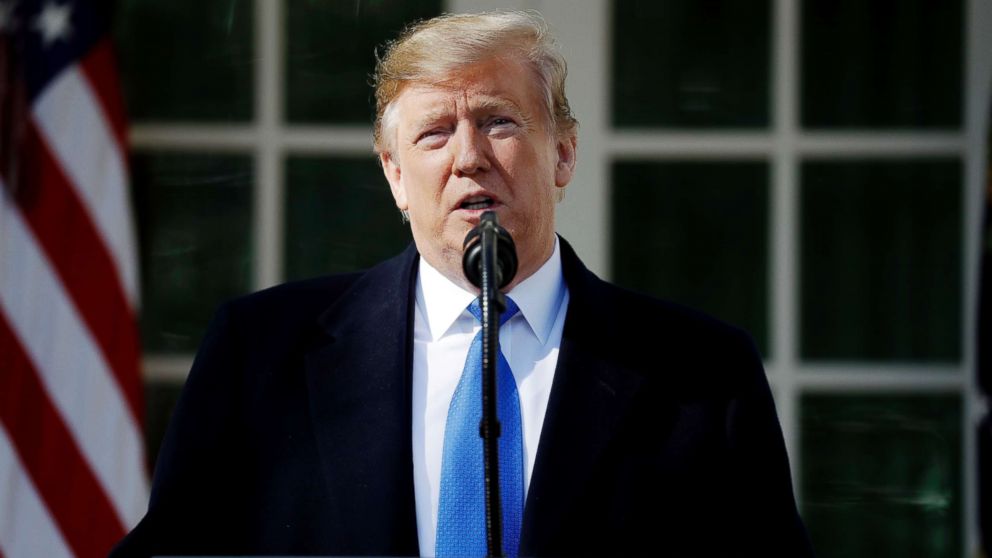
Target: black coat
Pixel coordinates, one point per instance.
(293, 433)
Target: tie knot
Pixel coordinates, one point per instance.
(511, 309)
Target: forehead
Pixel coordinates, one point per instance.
(494, 84)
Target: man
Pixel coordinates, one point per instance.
(317, 418)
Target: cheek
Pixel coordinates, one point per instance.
(434, 171)
(520, 163)
(540, 158)
(421, 180)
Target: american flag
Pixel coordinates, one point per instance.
(73, 478)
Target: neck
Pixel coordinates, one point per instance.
(449, 264)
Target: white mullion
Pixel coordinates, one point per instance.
(783, 226)
(629, 144)
(880, 144)
(721, 145)
(978, 92)
(337, 140)
(584, 216)
(166, 368)
(233, 137)
(267, 216)
(315, 139)
(862, 377)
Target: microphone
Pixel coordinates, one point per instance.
(506, 251)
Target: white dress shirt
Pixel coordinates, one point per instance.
(443, 332)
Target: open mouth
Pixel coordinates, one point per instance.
(477, 202)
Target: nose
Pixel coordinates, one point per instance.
(470, 151)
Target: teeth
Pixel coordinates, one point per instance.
(477, 202)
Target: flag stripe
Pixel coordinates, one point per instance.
(64, 230)
(100, 69)
(69, 119)
(72, 369)
(27, 529)
(61, 475)
(73, 476)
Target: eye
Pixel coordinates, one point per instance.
(429, 133)
(500, 124)
(432, 137)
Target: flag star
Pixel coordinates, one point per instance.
(54, 23)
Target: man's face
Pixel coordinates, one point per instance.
(481, 141)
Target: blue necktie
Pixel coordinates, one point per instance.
(461, 516)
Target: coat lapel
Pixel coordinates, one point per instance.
(359, 392)
(589, 396)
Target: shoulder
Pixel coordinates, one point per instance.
(296, 299)
(664, 341)
(648, 317)
(306, 302)
(657, 324)
(280, 320)
(288, 320)
(616, 313)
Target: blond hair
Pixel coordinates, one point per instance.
(434, 50)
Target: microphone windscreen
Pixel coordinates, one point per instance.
(506, 252)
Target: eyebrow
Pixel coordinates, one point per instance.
(485, 104)
(429, 118)
(497, 103)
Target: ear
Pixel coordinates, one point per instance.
(393, 174)
(565, 167)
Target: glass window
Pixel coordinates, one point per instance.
(690, 63)
(194, 229)
(695, 233)
(881, 260)
(881, 474)
(340, 216)
(882, 64)
(186, 60)
(329, 55)
(160, 400)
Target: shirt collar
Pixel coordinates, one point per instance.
(440, 300)
(538, 297)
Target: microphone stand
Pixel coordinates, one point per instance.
(490, 263)
(493, 304)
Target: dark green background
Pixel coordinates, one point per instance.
(696, 233)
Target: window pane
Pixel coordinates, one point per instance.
(186, 60)
(881, 260)
(194, 228)
(340, 216)
(160, 400)
(329, 55)
(695, 233)
(886, 63)
(881, 475)
(690, 63)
